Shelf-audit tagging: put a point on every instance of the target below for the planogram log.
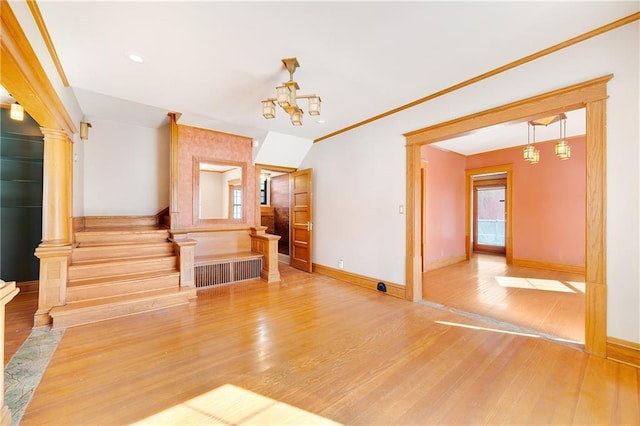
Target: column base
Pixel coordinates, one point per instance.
(42, 318)
(54, 264)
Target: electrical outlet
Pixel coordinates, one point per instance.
(341, 264)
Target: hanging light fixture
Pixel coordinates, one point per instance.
(286, 97)
(563, 150)
(530, 152)
(16, 112)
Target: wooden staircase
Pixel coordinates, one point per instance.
(120, 266)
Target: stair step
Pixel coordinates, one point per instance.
(120, 236)
(117, 267)
(90, 311)
(97, 288)
(111, 221)
(115, 251)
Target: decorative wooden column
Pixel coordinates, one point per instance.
(185, 249)
(596, 235)
(55, 249)
(267, 245)
(7, 293)
(413, 261)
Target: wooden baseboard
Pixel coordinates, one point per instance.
(623, 351)
(78, 224)
(28, 286)
(163, 217)
(393, 289)
(441, 263)
(541, 264)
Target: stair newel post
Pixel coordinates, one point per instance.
(185, 249)
(173, 171)
(55, 249)
(267, 245)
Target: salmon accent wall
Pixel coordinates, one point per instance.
(193, 143)
(549, 201)
(445, 204)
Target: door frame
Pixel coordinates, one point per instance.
(469, 174)
(259, 169)
(591, 95)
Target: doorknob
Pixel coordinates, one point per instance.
(309, 226)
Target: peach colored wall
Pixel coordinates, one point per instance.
(445, 203)
(548, 202)
(194, 142)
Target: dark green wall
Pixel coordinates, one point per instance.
(21, 153)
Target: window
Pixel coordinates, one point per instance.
(236, 212)
(263, 190)
(235, 199)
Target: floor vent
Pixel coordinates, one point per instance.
(229, 271)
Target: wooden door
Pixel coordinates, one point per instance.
(301, 217)
(490, 215)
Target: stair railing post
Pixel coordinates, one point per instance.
(185, 249)
(267, 245)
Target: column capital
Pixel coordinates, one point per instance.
(54, 134)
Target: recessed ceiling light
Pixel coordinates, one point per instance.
(321, 121)
(135, 57)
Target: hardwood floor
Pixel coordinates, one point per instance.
(339, 351)
(18, 322)
(550, 302)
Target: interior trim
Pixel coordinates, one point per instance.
(441, 263)
(623, 351)
(592, 95)
(393, 289)
(37, 16)
(573, 97)
(575, 40)
(23, 76)
(468, 219)
(275, 168)
(541, 264)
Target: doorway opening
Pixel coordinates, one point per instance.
(275, 195)
(285, 196)
(590, 95)
(490, 213)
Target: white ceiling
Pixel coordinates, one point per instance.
(215, 61)
(513, 134)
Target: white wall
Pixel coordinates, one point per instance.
(360, 175)
(78, 178)
(126, 169)
(358, 187)
(211, 195)
(279, 149)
